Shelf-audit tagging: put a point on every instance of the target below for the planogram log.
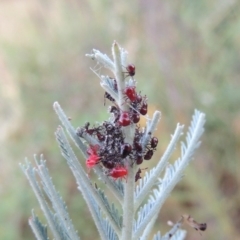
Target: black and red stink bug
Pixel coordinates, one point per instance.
(108, 163)
(137, 146)
(124, 119)
(148, 155)
(119, 172)
(92, 161)
(144, 108)
(139, 98)
(126, 149)
(130, 92)
(154, 142)
(139, 158)
(130, 70)
(135, 117)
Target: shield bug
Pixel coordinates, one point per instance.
(135, 116)
(144, 108)
(130, 70)
(148, 155)
(118, 172)
(126, 149)
(139, 159)
(154, 142)
(92, 160)
(124, 119)
(130, 92)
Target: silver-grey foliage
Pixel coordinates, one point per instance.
(135, 219)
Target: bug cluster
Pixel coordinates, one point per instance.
(137, 106)
(110, 150)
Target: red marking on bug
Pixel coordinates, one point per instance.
(118, 172)
(130, 92)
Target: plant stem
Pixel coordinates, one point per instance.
(128, 206)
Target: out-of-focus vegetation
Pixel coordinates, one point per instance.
(187, 55)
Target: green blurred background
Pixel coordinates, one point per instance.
(187, 56)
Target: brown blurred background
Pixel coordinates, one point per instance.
(187, 56)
